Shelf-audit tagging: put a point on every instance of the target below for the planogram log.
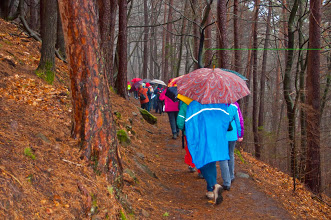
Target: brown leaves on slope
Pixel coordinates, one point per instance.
(32, 92)
(300, 203)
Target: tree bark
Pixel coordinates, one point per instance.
(287, 87)
(168, 45)
(60, 44)
(93, 122)
(263, 76)
(257, 144)
(208, 42)
(146, 32)
(33, 21)
(313, 175)
(223, 59)
(47, 60)
(121, 80)
(237, 63)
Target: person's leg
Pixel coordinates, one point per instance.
(177, 129)
(173, 125)
(149, 105)
(209, 173)
(232, 145)
(224, 165)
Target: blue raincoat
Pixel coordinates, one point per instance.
(206, 128)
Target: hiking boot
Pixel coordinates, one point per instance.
(227, 188)
(218, 198)
(174, 136)
(200, 176)
(210, 195)
(191, 169)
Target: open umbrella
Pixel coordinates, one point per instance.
(158, 81)
(211, 86)
(238, 74)
(134, 80)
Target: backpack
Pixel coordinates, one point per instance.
(149, 93)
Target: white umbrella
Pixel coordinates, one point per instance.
(157, 81)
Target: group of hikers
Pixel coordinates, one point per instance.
(210, 133)
(149, 96)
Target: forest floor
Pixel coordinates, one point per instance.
(43, 177)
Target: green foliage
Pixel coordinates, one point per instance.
(112, 89)
(166, 214)
(8, 42)
(46, 73)
(29, 153)
(29, 178)
(110, 190)
(118, 115)
(237, 152)
(123, 137)
(94, 208)
(122, 215)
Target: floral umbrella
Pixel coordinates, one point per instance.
(211, 86)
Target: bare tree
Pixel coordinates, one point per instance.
(313, 174)
(122, 50)
(223, 60)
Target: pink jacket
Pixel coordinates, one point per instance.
(170, 106)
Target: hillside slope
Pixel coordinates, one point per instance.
(41, 175)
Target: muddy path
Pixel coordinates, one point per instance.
(181, 193)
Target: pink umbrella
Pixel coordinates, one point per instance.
(134, 80)
(212, 86)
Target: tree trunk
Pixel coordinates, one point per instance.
(60, 44)
(223, 60)
(5, 8)
(287, 88)
(105, 19)
(93, 122)
(121, 80)
(145, 52)
(47, 60)
(237, 63)
(182, 39)
(313, 175)
(195, 33)
(257, 144)
(168, 45)
(208, 41)
(33, 21)
(263, 76)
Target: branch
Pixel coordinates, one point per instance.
(155, 25)
(36, 37)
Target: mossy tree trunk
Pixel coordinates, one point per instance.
(48, 35)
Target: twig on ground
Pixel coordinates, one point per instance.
(77, 164)
(12, 176)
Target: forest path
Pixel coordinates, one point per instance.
(182, 193)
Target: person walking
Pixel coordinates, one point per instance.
(206, 126)
(172, 109)
(150, 92)
(227, 166)
(142, 94)
(159, 104)
(181, 125)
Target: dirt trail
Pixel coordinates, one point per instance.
(182, 194)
